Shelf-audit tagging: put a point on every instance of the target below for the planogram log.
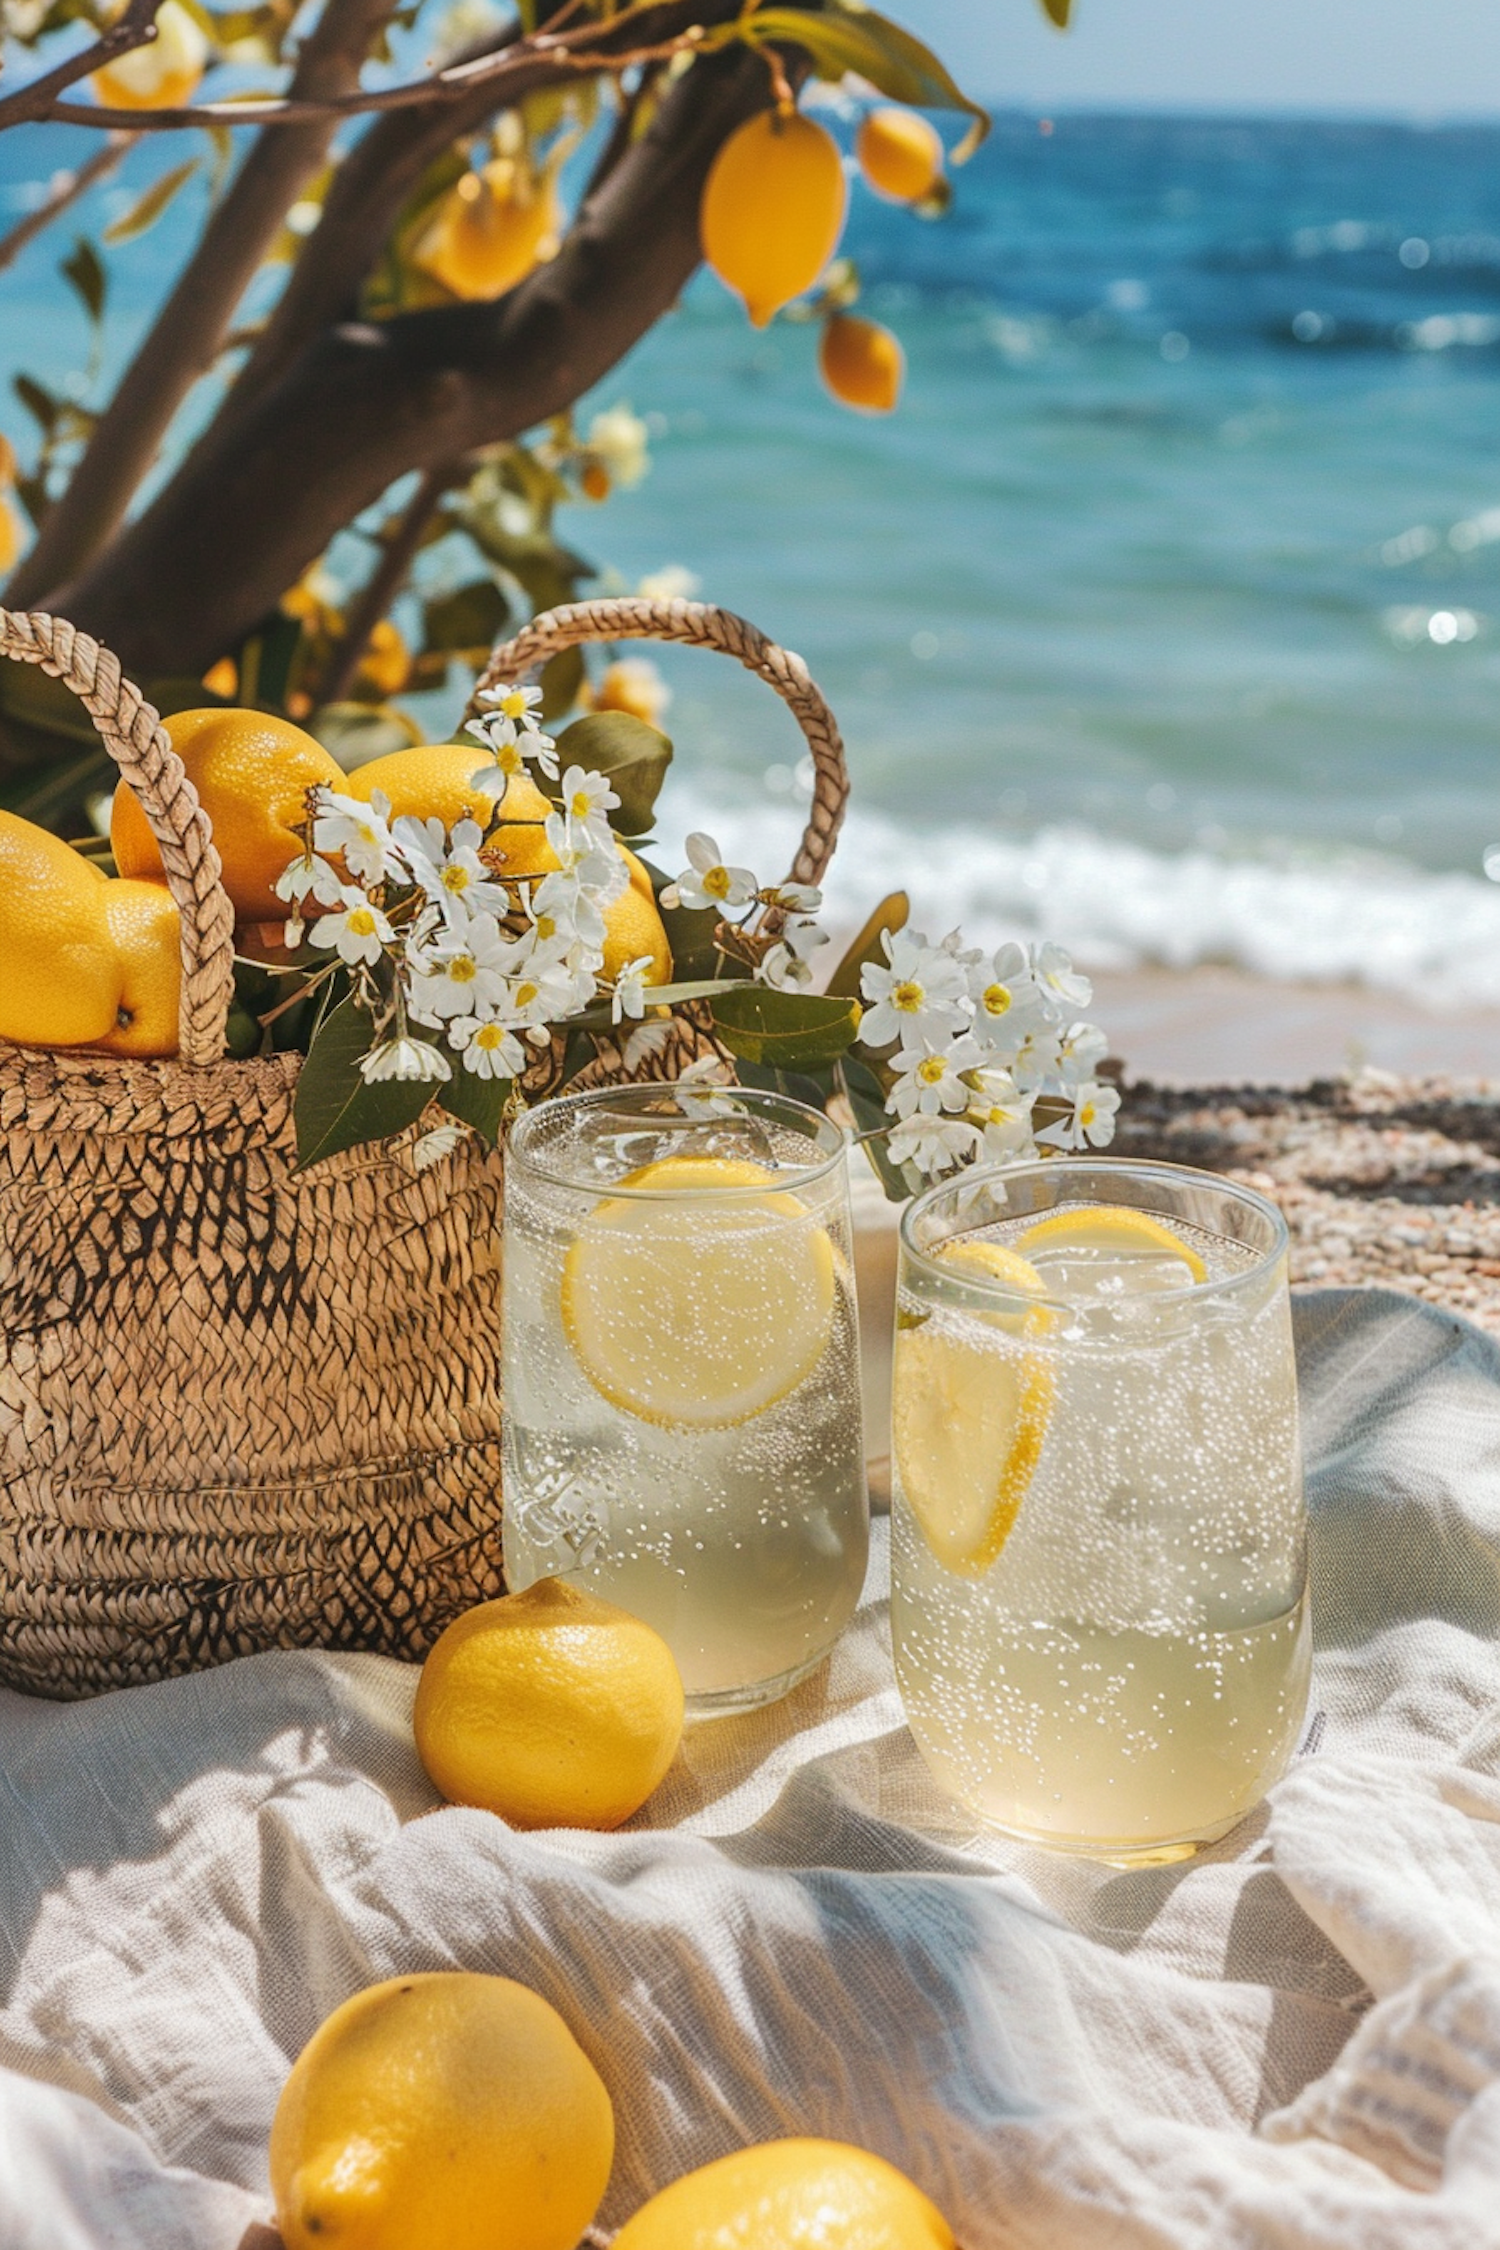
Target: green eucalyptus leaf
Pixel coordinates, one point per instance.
(85, 270)
(632, 756)
(866, 1097)
(784, 1030)
(334, 1108)
(148, 208)
(39, 402)
(480, 1102)
(889, 917)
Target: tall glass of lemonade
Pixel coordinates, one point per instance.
(1099, 1599)
(682, 1404)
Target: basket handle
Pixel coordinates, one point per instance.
(135, 738)
(633, 618)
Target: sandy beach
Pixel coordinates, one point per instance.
(1218, 1026)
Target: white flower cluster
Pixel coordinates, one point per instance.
(979, 1041)
(490, 964)
(707, 883)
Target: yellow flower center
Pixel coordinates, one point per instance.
(513, 704)
(456, 879)
(462, 969)
(526, 994)
(579, 804)
(489, 1036)
(362, 922)
(509, 759)
(545, 927)
(996, 999)
(908, 997)
(932, 1070)
(1087, 1115)
(716, 882)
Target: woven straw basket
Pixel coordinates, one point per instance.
(243, 1407)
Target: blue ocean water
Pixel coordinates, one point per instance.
(1165, 613)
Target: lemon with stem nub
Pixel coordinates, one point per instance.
(790, 2195)
(861, 363)
(969, 1418)
(702, 1304)
(773, 209)
(443, 2111)
(900, 154)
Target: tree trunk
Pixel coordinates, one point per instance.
(266, 487)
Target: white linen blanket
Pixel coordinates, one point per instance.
(1292, 2041)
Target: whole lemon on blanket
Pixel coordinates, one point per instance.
(252, 772)
(442, 2112)
(435, 781)
(147, 929)
(790, 2195)
(551, 1708)
(59, 966)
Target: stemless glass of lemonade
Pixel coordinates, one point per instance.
(682, 1404)
(1099, 1597)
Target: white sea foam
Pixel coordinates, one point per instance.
(1353, 918)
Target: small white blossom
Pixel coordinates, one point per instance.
(928, 1080)
(1007, 999)
(786, 963)
(562, 908)
(1054, 972)
(1002, 1113)
(359, 831)
(699, 1089)
(629, 996)
(920, 996)
(934, 1144)
(538, 992)
(449, 869)
(306, 877)
(488, 1049)
(513, 722)
(706, 881)
(1080, 1051)
(618, 439)
(463, 973)
(587, 799)
(795, 898)
(403, 1058)
(1037, 1058)
(359, 934)
(1091, 1121)
(434, 1146)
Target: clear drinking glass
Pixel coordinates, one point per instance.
(1099, 1600)
(681, 1367)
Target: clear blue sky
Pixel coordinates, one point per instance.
(1380, 57)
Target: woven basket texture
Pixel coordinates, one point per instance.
(241, 1406)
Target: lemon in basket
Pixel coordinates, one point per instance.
(551, 1708)
(969, 1412)
(790, 2195)
(59, 967)
(699, 1306)
(450, 2111)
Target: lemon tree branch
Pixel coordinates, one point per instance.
(63, 194)
(190, 328)
(36, 100)
(363, 403)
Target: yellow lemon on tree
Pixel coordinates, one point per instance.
(386, 662)
(435, 781)
(252, 772)
(142, 919)
(900, 154)
(861, 362)
(449, 2111)
(163, 74)
(60, 969)
(773, 209)
(632, 684)
(549, 1707)
(790, 2195)
(10, 534)
(494, 227)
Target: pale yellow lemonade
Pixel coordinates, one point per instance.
(1099, 1578)
(682, 1427)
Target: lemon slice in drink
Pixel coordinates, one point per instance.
(701, 1311)
(969, 1419)
(1110, 1229)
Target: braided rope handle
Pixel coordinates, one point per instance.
(135, 738)
(633, 618)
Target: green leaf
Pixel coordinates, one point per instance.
(1058, 12)
(334, 1108)
(354, 733)
(148, 208)
(560, 679)
(480, 1102)
(889, 916)
(633, 756)
(847, 36)
(784, 1030)
(38, 401)
(467, 621)
(85, 270)
(866, 1097)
